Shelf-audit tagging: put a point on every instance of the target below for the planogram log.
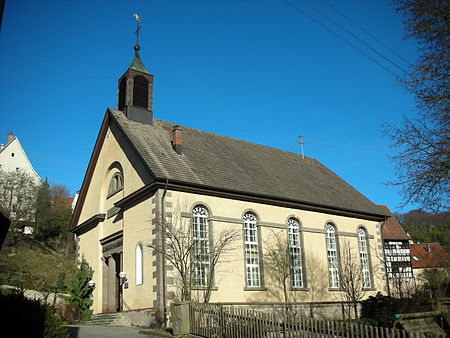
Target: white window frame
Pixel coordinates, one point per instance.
(201, 250)
(252, 260)
(295, 253)
(332, 256)
(364, 258)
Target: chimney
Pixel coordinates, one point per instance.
(9, 137)
(177, 140)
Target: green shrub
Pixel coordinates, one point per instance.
(29, 318)
(79, 290)
(380, 310)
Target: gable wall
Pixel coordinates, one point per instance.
(19, 160)
(115, 155)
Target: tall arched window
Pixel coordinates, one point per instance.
(115, 184)
(364, 258)
(332, 254)
(252, 263)
(295, 253)
(201, 253)
(139, 265)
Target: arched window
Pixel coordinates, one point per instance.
(252, 263)
(332, 254)
(201, 253)
(295, 253)
(139, 265)
(364, 258)
(115, 184)
(140, 92)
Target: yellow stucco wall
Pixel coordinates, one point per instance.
(230, 275)
(117, 155)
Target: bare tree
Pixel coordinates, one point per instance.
(351, 279)
(177, 244)
(224, 243)
(422, 163)
(59, 190)
(423, 143)
(276, 257)
(436, 281)
(18, 193)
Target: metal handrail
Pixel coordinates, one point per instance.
(126, 305)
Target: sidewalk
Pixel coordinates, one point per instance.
(94, 331)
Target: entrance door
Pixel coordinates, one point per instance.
(118, 287)
(112, 283)
(112, 249)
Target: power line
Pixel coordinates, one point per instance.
(316, 9)
(359, 50)
(366, 31)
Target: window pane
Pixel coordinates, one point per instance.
(333, 265)
(252, 267)
(295, 253)
(201, 254)
(139, 264)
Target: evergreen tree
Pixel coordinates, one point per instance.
(79, 290)
(45, 219)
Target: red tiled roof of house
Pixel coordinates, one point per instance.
(429, 255)
(392, 229)
(62, 203)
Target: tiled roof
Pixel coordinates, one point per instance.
(62, 203)
(219, 162)
(429, 255)
(392, 229)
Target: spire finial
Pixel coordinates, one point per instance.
(138, 28)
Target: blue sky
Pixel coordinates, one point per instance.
(260, 71)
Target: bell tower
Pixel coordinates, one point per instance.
(135, 87)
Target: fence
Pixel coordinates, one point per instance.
(209, 320)
(318, 310)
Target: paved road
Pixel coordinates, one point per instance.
(94, 331)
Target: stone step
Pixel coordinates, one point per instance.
(107, 319)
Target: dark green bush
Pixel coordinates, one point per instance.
(380, 310)
(29, 318)
(79, 290)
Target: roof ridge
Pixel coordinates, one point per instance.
(237, 139)
(229, 137)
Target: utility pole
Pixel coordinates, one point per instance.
(300, 141)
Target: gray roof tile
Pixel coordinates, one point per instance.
(225, 163)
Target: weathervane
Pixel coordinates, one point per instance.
(138, 28)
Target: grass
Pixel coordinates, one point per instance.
(34, 265)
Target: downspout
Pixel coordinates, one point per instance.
(163, 247)
(384, 256)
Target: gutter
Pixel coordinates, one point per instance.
(384, 257)
(225, 193)
(163, 247)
